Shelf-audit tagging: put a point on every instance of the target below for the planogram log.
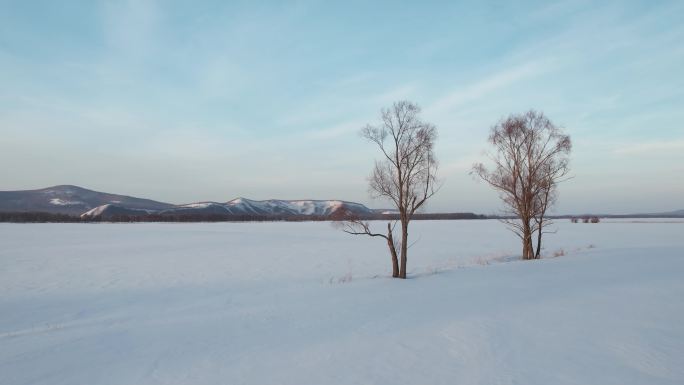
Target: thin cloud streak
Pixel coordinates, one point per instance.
(652, 148)
(487, 86)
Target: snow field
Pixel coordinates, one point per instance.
(300, 303)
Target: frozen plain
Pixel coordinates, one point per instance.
(304, 303)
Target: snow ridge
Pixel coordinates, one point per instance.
(63, 202)
(242, 206)
(293, 207)
(96, 212)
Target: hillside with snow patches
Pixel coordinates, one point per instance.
(277, 207)
(242, 206)
(74, 200)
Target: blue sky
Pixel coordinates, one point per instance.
(180, 102)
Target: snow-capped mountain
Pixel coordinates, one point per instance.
(242, 207)
(67, 199)
(76, 200)
(272, 207)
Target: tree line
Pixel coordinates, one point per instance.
(44, 217)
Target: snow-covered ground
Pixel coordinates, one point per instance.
(303, 303)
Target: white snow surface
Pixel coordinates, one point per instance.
(199, 205)
(296, 207)
(304, 303)
(62, 202)
(97, 211)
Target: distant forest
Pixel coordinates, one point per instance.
(41, 217)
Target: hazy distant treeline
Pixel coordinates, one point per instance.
(31, 217)
(41, 217)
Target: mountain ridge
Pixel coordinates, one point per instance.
(70, 199)
(76, 200)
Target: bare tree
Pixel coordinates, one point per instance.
(405, 175)
(531, 157)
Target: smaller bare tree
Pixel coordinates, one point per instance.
(406, 174)
(352, 224)
(531, 158)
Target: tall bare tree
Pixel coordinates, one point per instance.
(405, 174)
(531, 157)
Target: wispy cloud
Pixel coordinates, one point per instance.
(652, 147)
(337, 130)
(487, 86)
(401, 92)
(461, 165)
(132, 28)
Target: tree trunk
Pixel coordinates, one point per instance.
(393, 251)
(528, 249)
(528, 253)
(537, 255)
(404, 249)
